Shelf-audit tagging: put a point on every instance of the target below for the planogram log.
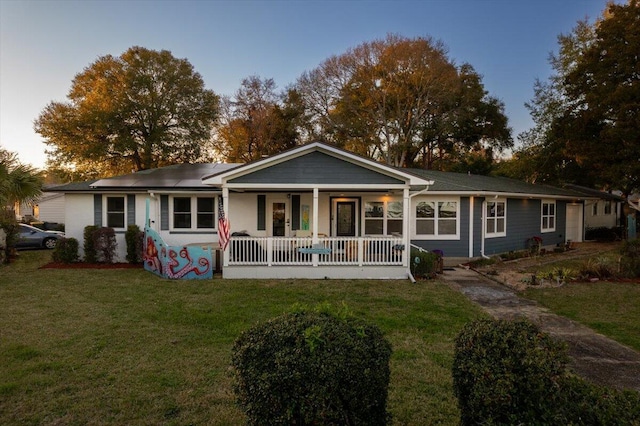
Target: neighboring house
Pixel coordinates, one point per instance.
(49, 207)
(603, 210)
(317, 211)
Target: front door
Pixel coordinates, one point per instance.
(279, 220)
(574, 223)
(346, 218)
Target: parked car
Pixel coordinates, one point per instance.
(32, 237)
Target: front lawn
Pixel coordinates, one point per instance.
(611, 308)
(125, 347)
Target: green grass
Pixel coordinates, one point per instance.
(125, 347)
(610, 308)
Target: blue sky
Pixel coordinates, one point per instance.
(43, 44)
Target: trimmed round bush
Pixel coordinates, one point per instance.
(133, 237)
(312, 368)
(66, 251)
(507, 372)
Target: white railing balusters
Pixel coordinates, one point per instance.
(277, 251)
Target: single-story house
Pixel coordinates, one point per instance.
(317, 211)
(603, 209)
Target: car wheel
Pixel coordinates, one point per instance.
(50, 243)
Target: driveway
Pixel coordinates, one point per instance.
(593, 356)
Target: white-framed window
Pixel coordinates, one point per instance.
(548, 216)
(496, 218)
(383, 217)
(437, 219)
(607, 207)
(192, 212)
(115, 211)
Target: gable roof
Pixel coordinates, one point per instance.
(300, 171)
(594, 193)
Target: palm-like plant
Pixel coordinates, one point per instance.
(18, 184)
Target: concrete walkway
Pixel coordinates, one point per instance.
(594, 356)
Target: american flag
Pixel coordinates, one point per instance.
(223, 226)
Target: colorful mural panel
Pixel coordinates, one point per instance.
(175, 262)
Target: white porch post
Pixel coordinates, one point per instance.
(406, 216)
(314, 237)
(225, 207)
(471, 205)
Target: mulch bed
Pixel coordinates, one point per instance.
(82, 265)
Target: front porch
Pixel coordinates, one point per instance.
(316, 258)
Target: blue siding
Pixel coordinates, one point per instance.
(524, 218)
(316, 167)
(452, 248)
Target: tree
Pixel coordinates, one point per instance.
(587, 115)
(602, 127)
(258, 122)
(140, 110)
(402, 101)
(18, 184)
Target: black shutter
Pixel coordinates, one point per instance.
(262, 212)
(164, 212)
(131, 209)
(295, 212)
(97, 210)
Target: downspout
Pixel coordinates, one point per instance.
(484, 209)
(407, 238)
(471, 205)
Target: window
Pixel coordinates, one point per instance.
(594, 209)
(607, 207)
(496, 219)
(548, 216)
(382, 217)
(115, 212)
(374, 218)
(194, 213)
(437, 218)
(206, 213)
(182, 212)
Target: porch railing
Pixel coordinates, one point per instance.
(300, 251)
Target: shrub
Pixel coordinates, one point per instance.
(90, 254)
(104, 242)
(312, 368)
(66, 251)
(583, 403)
(511, 373)
(504, 371)
(630, 261)
(424, 263)
(603, 233)
(598, 267)
(134, 238)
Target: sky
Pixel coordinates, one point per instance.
(45, 43)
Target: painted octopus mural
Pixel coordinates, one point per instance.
(175, 262)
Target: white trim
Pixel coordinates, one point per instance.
(342, 186)
(224, 177)
(542, 216)
(105, 212)
(194, 212)
(503, 233)
(471, 218)
(356, 214)
(436, 199)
